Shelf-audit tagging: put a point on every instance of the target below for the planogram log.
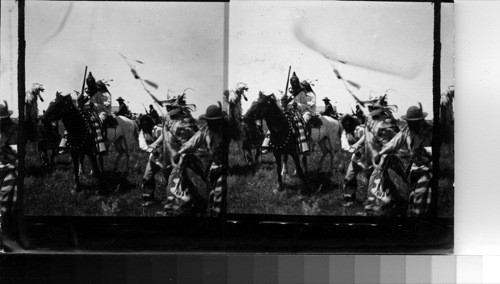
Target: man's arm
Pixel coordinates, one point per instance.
(397, 142)
(194, 143)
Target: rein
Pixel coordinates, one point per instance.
(79, 145)
(289, 125)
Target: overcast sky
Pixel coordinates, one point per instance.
(396, 38)
(182, 45)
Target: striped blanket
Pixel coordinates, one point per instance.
(8, 176)
(301, 134)
(96, 129)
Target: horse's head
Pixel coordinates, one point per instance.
(57, 107)
(262, 106)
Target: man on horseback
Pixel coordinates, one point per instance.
(359, 114)
(8, 171)
(329, 109)
(123, 109)
(154, 115)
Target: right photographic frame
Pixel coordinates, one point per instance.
(348, 113)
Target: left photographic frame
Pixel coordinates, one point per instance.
(103, 81)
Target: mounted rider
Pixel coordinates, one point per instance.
(330, 110)
(123, 109)
(97, 105)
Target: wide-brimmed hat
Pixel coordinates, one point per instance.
(326, 99)
(414, 113)
(120, 99)
(213, 113)
(4, 110)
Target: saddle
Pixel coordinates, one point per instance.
(110, 122)
(315, 121)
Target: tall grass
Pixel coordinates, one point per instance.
(250, 188)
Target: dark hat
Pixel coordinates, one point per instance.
(4, 110)
(326, 99)
(414, 113)
(120, 99)
(213, 113)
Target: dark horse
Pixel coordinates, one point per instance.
(251, 136)
(81, 138)
(283, 138)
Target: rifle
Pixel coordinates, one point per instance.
(82, 102)
(145, 109)
(287, 80)
(353, 113)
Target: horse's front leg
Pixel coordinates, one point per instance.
(76, 166)
(101, 162)
(296, 159)
(277, 157)
(284, 169)
(304, 162)
(257, 154)
(96, 171)
(115, 165)
(81, 160)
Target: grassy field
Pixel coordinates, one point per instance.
(250, 188)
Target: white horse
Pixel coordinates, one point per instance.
(328, 139)
(125, 139)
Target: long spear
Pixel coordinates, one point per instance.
(136, 76)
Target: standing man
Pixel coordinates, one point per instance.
(123, 109)
(8, 171)
(352, 141)
(216, 136)
(417, 137)
(383, 197)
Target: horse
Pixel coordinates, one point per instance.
(282, 133)
(81, 137)
(40, 131)
(124, 136)
(250, 135)
(122, 132)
